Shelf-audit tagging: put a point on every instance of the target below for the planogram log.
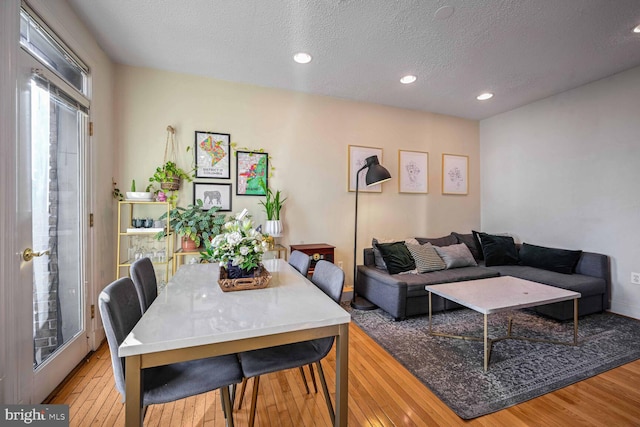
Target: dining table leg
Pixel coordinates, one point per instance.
(133, 392)
(342, 375)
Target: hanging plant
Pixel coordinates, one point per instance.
(169, 176)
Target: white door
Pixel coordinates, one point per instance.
(53, 134)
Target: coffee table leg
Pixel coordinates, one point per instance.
(429, 312)
(575, 321)
(486, 345)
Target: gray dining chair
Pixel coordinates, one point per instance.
(300, 261)
(120, 310)
(330, 279)
(144, 280)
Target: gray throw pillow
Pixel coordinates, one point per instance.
(376, 252)
(455, 256)
(470, 241)
(426, 258)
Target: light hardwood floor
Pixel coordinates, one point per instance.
(381, 393)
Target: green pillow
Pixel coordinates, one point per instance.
(397, 257)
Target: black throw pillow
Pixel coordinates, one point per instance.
(498, 250)
(476, 237)
(558, 260)
(397, 257)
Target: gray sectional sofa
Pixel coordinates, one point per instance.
(403, 295)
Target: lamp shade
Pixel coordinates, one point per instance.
(376, 173)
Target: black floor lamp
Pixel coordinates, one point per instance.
(376, 174)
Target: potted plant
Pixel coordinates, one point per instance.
(272, 206)
(194, 224)
(169, 176)
(239, 247)
(138, 195)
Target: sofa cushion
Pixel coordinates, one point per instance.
(559, 260)
(379, 261)
(438, 241)
(397, 257)
(426, 258)
(470, 241)
(586, 285)
(417, 282)
(456, 256)
(498, 250)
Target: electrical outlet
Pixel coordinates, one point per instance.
(635, 278)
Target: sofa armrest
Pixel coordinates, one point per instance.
(383, 290)
(597, 265)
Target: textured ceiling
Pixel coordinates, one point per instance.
(522, 50)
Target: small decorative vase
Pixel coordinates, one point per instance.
(273, 228)
(237, 272)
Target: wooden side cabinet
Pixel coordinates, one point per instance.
(316, 252)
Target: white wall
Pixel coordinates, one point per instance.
(564, 172)
(307, 137)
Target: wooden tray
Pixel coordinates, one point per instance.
(245, 283)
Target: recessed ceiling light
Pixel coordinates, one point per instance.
(408, 79)
(484, 96)
(444, 12)
(637, 29)
(302, 58)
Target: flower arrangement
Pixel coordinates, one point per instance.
(238, 245)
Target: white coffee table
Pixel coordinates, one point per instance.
(498, 294)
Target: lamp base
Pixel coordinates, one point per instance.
(360, 303)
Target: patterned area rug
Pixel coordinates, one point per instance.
(518, 370)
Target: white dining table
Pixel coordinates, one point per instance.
(192, 319)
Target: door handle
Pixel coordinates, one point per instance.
(29, 254)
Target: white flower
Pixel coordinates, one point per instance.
(218, 240)
(234, 238)
(244, 250)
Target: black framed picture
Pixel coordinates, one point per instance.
(212, 151)
(213, 195)
(252, 169)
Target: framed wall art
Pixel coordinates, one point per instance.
(413, 168)
(212, 155)
(455, 174)
(252, 169)
(357, 158)
(213, 195)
